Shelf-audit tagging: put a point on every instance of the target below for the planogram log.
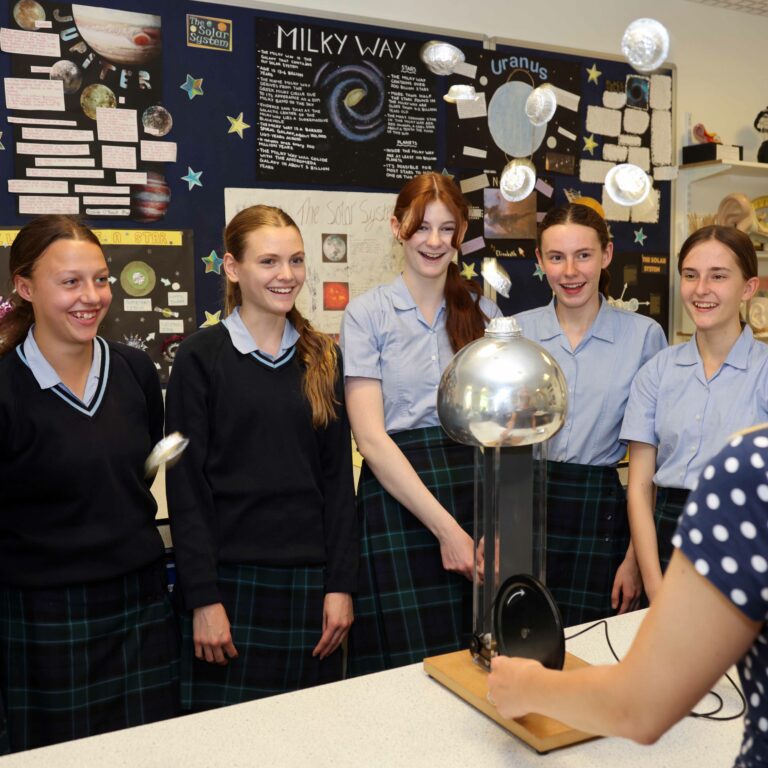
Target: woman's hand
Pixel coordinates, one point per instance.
(211, 634)
(457, 550)
(507, 685)
(337, 619)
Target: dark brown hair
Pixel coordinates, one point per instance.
(30, 244)
(316, 350)
(464, 321)
(575, 213)
(733, 239)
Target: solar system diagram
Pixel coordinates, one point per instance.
(85, 103)
(606, 114)
(153, 289)
(342, 105)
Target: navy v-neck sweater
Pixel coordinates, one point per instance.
(258, 483)
(74, 505)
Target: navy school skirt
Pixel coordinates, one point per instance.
(587, 538)
(670, 503)
(81, 660)
(408, 606)
(276, 619)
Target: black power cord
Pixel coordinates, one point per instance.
(713, 715)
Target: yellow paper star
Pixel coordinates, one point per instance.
(594, 73)
(237, 125)
(468, 270)
(590, 145)
(211, 318)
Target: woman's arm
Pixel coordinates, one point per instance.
(640, 504)
(628, 583)
(690, 637)
(365, 407)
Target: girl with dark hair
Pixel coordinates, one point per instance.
(262, 501)
(415, 494)
(687, 400)
(591, 567)
(87, 634)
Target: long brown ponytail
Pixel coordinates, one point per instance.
(30, 244)
(316, 350)
(464, 321)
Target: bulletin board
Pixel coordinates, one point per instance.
(139, 114)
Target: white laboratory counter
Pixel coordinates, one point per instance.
(395, 718)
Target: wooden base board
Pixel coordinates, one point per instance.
(468, 680)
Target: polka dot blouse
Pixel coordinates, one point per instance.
(724, 533)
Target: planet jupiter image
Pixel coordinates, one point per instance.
(122, 37)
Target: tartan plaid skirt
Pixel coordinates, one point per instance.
(276, 619)
(82, 660)
(670, 503)
(408, 606)
(587, 538)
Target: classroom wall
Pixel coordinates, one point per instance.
(721, 55)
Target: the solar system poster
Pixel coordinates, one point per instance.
(85, 100)
(153, 289)
(342, 105)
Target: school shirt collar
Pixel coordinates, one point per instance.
(43, 371)
(738, 357)
(601, 328)
(243, 342)
(401, 296)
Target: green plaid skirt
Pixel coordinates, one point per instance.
(587, 538)
(670, 503)
(276, 619)
(408, 606)
(82, 660)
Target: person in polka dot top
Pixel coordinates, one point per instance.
(709, 613)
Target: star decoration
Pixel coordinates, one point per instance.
(2, 146)
(640, 236)
(590, 145)
(193, 86)
(445, 171)
(211, 318)
(593, 73)
(538, 272)
(468, 270)
(237, 125)
(193, 178)
(212, 262)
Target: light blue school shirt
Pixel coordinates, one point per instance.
(244, 343)
(46, 376)
(673, 407)
(599, 375)
(384, 336)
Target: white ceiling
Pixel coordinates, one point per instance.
(758, 7)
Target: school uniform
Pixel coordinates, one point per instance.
(88, 638)
(673, 407)
(587, 527)
(407, 606)
(262, 512)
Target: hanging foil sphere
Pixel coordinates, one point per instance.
(645, 44)
(441, 58)
(461, 93)
(517, 180)
(496, 276)
(627, 184)
(502, 390)
(166, 451)
(541, 104)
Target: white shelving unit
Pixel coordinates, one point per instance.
(699, 189)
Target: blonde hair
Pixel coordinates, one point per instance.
(316, 350)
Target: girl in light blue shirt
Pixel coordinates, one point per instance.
(591, 569)
(688, 399)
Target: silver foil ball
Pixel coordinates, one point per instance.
(167, 451)
(645, 44)
(517, 180)
(627, 184)
(441, 58)
(461, 93)
(541, 104)
(496, 276)
(502, 390)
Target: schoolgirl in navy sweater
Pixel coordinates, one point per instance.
(262, 502)
(87, 634)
